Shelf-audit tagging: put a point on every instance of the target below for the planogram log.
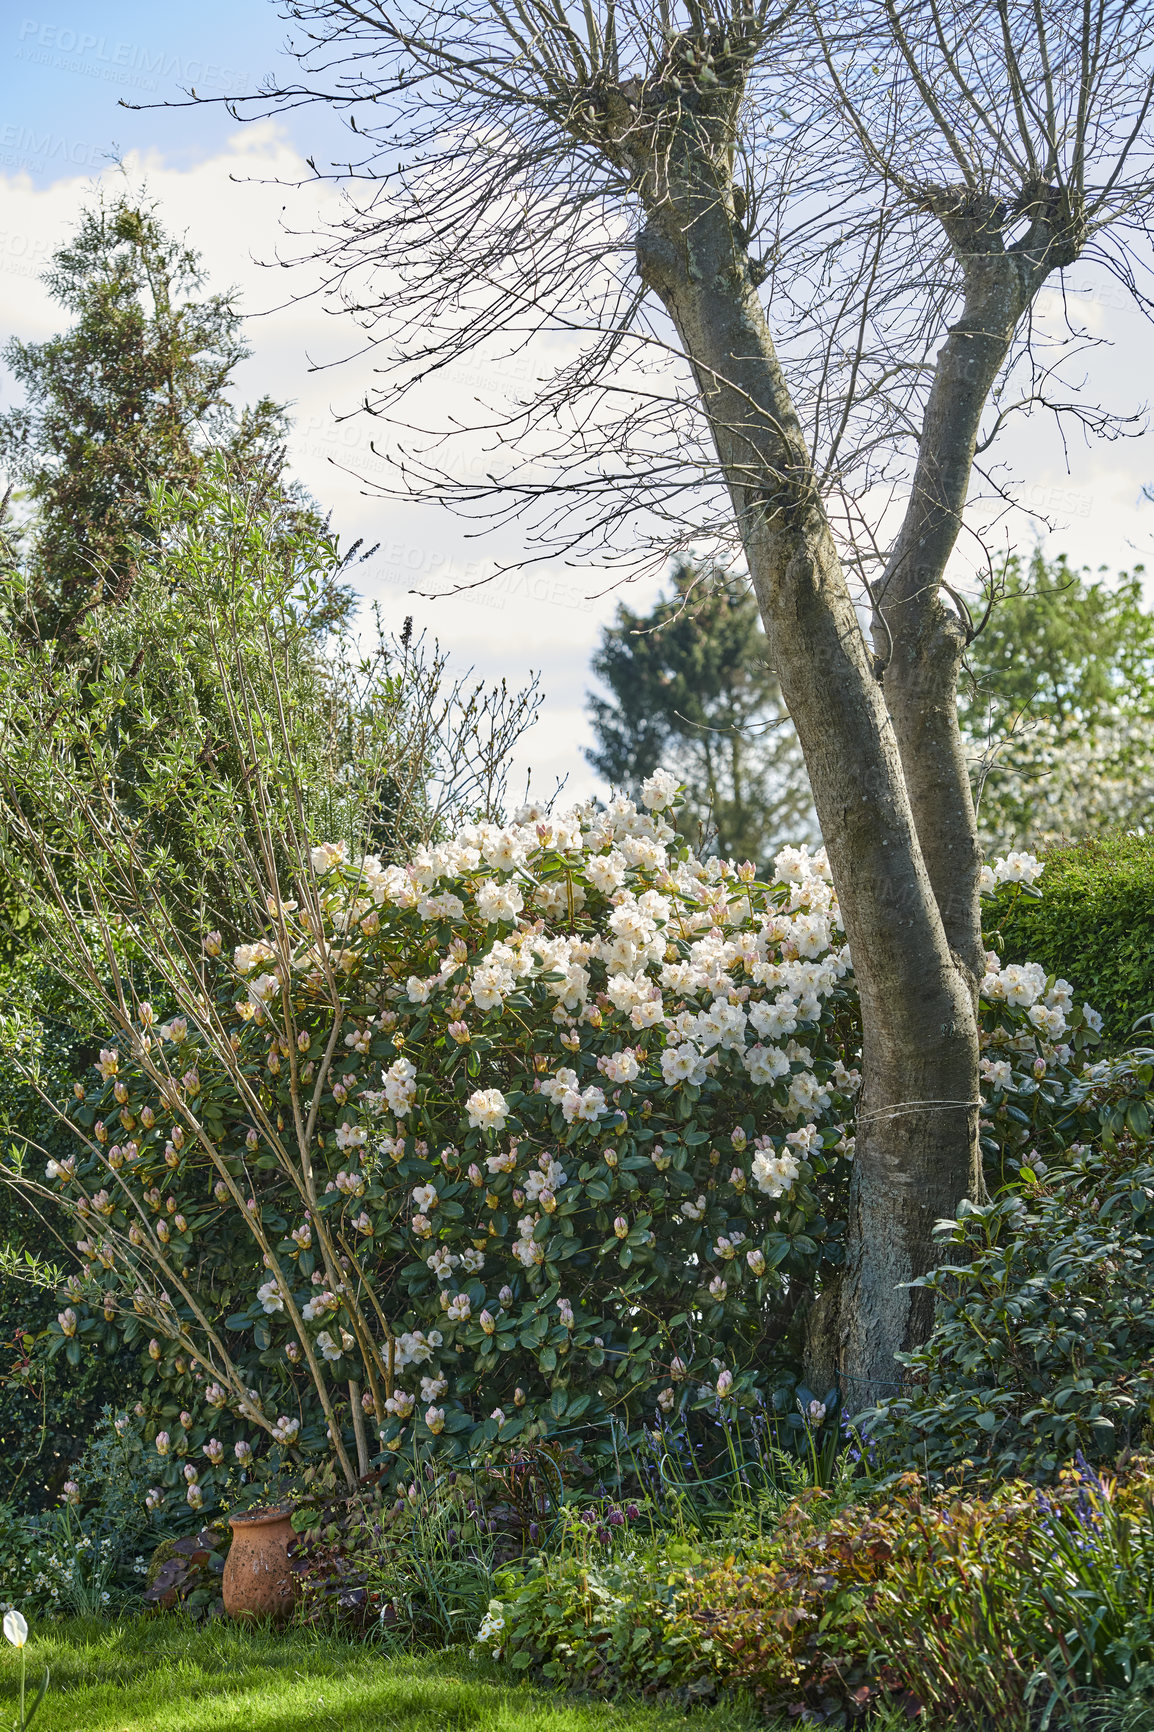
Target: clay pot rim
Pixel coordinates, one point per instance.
(261, 1517)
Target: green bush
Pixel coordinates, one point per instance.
(88, 1555)
(1094, 924)
(1043, 1342)
(49, 1409)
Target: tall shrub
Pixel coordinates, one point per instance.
(1095, 924)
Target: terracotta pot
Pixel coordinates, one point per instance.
(258, 1581)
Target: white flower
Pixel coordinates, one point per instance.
(620, 1067)
(624, 990)
(286, 1430)
(400, 1082)
(682, 1063)
(489, 985)
(245, 958)
(459, 1309)
(793, 865)
(658, 790)
(1092, 1018)
(583, 1107)
(493, 1623)
(1018, 868)
(606, 872)
(1023, 983)
(773, 1173)
(425, 1197)
(499, 901)
(435, 1419)
(487, 1109)
(1049, 1021)
(555, 1088)
(765, 1064)
(270, 1298)
(997, 1072)
(328, 855)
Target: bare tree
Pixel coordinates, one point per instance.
(789, 257)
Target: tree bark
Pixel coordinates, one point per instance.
(917, 1124)
(920, 640)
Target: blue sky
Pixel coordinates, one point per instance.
(67, 64)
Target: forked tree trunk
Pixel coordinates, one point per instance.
(917, 1150)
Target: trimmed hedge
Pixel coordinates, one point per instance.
(1094, 924)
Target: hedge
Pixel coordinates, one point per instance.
(1094, 924)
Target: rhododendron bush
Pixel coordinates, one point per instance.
(550, 1126)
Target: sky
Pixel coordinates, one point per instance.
(66, 67)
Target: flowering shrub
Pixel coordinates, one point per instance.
(552, 1124)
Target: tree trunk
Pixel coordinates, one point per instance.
(917, 1123)
(917, 636)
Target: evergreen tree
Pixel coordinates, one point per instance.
(136, 391)
(689, 688)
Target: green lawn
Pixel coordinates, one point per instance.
(165, 1675)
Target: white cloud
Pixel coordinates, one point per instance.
(231, 207)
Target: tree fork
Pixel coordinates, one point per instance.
(917, 1149)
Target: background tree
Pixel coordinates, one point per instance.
(691, 690)
(1057, 703)
(138, 390)
(787, 261)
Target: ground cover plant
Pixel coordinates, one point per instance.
(964, 1605)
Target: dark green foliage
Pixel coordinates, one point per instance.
(1043, 1344)
(48, 1407)
(691, 690)
(1094, 924)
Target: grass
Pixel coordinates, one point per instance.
(163, 1674)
